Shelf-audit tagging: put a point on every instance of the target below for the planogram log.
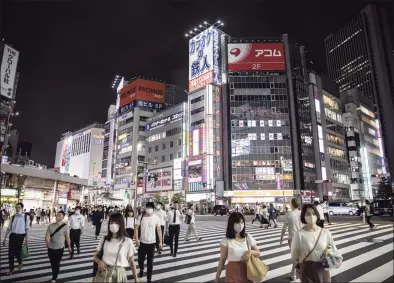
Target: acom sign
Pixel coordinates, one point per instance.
(164, 121)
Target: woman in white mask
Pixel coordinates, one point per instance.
(308, 245)
(234, 249)
(115, 252)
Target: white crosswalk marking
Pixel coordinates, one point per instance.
(197, 261)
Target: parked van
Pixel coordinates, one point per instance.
(341, 208)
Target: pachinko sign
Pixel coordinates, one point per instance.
(162, 182)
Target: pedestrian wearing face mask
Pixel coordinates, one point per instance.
(162, 216)
(174, 219)
(145, 230)
(308, 245)
(292, 222)
(76, 223)
(117, 252)
(129, 222)
(57, 233)
(234, 248)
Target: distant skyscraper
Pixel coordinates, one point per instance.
(360, 56)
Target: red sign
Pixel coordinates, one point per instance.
(201, 81)
(256, 56)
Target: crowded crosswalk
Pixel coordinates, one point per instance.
(368, 256)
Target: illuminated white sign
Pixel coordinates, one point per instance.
(164, 121)
(163, 182)
(8, 71)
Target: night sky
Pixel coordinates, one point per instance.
(70, 51)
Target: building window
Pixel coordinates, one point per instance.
(179, 154)
(156, 148)
(171, 156)
(171, 144)
(163, 146)
(198, 110)
(180, 142)
(163, 158)
(150, 150)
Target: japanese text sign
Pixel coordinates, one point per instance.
(144, 90)
(204, 59)
(8, 71)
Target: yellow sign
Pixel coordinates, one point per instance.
(261, 193)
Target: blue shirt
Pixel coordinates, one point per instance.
(19, 226)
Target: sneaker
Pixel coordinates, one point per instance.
(53, 281)
(375, 226)
(20, 266)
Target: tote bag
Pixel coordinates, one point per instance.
(256, 270)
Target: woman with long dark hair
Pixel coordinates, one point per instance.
(308, 245)
(129, 221)
(117, 253)
(235, 249)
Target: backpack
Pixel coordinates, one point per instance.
(13, 217)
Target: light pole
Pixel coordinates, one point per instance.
(282, 183)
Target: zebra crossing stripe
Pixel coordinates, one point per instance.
(379, 274)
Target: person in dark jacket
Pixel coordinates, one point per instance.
(98, 218)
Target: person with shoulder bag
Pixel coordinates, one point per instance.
(114, 253)
(56, 236)
(190, 219)
(309, 245)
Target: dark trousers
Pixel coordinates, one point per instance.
(174, 232)
(75, 236)
(130, 231)
(98, 228)
(320, 223)
(38, 219)
(256, 218)
(369, 221)
(148, 251)
(157, 237)
(14, 248)
(327, 216)
(55, 256)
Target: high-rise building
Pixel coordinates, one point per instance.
(80, 153)
(109, 147)
(364, 147)
(360, 56)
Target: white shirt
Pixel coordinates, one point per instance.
(76, 221)
(148, 225)
(111, 250)
(257, 210)
(321, 212)
(304, 241)
(325, 207)
(292, 220)
(162, 216)
(192, 214)
(237, 249)
(178, 217)
(129, 222)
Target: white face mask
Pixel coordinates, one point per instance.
(77, 212)
(158, 207)
(238, 227)
(311, 219)
(114, 228)
(149, 210)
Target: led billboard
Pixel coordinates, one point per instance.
(163, 182)
(143, 90)
(256, 56)
(204, 59)
(164, 121)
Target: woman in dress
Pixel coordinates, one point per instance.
(117, 253)
(308, 245)
(234, 249)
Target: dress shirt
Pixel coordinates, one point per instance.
(18, 225)
(76, 221)
(170, 217)
(162, 216)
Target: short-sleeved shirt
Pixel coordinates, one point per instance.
(237, 249)
(148, 228)
(111, 249)
(57, 241)
(18, 223)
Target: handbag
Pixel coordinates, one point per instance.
(99, 256)
(188, 219)
(107, 276)
(331, 259)
(166, 239)
(25, 252)
(256, 270)
(298, 266)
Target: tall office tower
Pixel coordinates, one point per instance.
(360, 56)
(109, 147)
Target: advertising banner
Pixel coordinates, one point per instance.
(164, 121)
(141, 104)
(256, 56)
(204, 59)
(9, 192)
(164, 180)
(195, 171)
(143, 90)
(8, 71)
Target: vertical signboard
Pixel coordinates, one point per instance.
(217, 123)
(8, 71)
(204, 59)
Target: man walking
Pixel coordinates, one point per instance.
(162, 216)
(48, 214)
(97, 220)
(144, 233)
(76, 223)
(325, 207)
(174, 218)
(19, 228)
(190, 219)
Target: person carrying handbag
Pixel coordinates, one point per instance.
(308, 246)
(114, 253)
(57, 234)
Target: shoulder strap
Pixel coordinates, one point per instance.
(247, 242)
(317, 240)
(117, 256)
(58, 229)
(12, 220)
